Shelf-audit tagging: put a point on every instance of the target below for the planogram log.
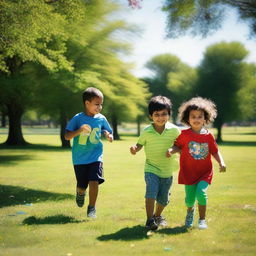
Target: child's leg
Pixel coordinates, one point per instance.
(201, 195)
(163, 195)
(80, 191)
(95, 177)
(93, 192)
(190, 191)
(202, 211)
(152, 185)
(190, 199)
(150, 205)
(159, 209)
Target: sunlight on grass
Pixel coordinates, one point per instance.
(38, 214)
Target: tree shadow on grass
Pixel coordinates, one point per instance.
(29, 146)
(56, 219)
(14, 195)
(139, 232)
(13, 159)
(126, 234)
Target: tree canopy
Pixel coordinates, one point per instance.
(205, 17)
(49, 57)
(220, 77)
(202, 17)
(170, 77)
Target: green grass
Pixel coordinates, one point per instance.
(38, 214)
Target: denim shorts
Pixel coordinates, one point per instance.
(158, 188)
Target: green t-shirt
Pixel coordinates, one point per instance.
(155, 147)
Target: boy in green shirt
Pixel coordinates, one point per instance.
(157, 138)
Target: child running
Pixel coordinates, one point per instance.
(197, 145)
(87, 150)
(156, 139)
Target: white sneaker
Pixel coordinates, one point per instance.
(160, 221)
(202, 224)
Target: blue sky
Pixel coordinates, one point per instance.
(190, 50)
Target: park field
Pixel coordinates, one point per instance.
(39, 216)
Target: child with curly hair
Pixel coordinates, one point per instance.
(197, 145)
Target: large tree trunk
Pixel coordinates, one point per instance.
(114, 125)
(3, 120)
(219, 135)
(138, 126)
(15, 136)
(63, 123)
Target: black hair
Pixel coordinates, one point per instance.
(158, 103)
(91, 93)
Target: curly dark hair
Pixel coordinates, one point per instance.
(90, 93)
(197, 103)
(158, 103)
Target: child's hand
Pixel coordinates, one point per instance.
(222, 168)
(108, 136)
(169, 152)
(133, 150)
(85, 129)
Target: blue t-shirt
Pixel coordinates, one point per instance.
(92, 150)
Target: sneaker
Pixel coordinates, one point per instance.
(189, 218)
(151, 224)
(160, 221)
(202, 224)
(80, 199)
(91, 212)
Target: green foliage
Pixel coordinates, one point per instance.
(247, 94)
(171, 78)
(205, 17)
(220, 78)
(49, 57)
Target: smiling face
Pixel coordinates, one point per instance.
(160, 117)
(196, 119)
(93, 106)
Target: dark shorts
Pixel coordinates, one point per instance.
(88, 172)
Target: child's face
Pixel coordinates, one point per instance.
(93, 106)
(160, 117)
(196, 119)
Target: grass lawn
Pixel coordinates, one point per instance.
(38, 214)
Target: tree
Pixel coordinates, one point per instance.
(202, 17)
(95, 63)
(171, 78)
(28, 36)
(247, 94)
(205, 17)
(220, 77)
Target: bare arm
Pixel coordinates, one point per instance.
(218, 157)
(134, 149)
(172, 150)
(71, 134)
(109, 136)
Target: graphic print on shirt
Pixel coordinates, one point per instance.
(197, 150)
(90, 134)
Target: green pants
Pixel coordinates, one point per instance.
(196, 192)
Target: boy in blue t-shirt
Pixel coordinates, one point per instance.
(87, 150)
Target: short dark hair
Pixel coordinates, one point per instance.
(91, 93)
(158, 103)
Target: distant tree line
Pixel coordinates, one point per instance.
(48, 57)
